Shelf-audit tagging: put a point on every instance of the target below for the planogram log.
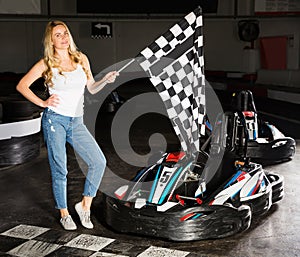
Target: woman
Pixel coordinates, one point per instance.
(67, 71)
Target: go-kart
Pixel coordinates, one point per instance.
(184, 197)
(266, 144)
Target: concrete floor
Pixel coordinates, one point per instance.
(26, 201)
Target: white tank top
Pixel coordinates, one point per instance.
(70, 89)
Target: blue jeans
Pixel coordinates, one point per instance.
(59, 130)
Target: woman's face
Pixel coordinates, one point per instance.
(60, 37)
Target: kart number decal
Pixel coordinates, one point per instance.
(163, 181)
(165, 176)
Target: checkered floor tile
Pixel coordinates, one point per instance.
(163, 252)
(33, 241)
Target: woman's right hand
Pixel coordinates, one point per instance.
(53, 100)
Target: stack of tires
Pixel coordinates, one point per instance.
(20, 130)
(1, 112)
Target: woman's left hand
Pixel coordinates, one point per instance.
(110, 77)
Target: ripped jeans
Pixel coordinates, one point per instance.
(59, 130)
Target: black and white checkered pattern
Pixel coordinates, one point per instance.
(175, 65)
(34, 241)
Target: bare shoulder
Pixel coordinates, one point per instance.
(85, 60)
(40, 66)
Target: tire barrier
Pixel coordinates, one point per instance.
(8, 81)
(38, 87)
(18, 150)
(18, 109)
(20, 123)
(20, 141)
(1, 112)
(20, 128)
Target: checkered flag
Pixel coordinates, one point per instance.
(175, 65)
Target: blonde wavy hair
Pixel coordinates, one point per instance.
(50, 59)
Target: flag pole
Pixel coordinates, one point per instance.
(126, 65)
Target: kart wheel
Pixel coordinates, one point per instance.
(19, 110)
(19, 150)
(1, 112)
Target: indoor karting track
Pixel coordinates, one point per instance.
(30, 227)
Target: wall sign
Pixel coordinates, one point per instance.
(277, 7)
(101, 30)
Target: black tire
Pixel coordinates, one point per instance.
(18, 150)
(38, 88)
(1, 112)
(18, 109)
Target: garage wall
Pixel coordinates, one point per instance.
(21, 39)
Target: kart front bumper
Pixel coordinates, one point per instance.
(180, 224)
